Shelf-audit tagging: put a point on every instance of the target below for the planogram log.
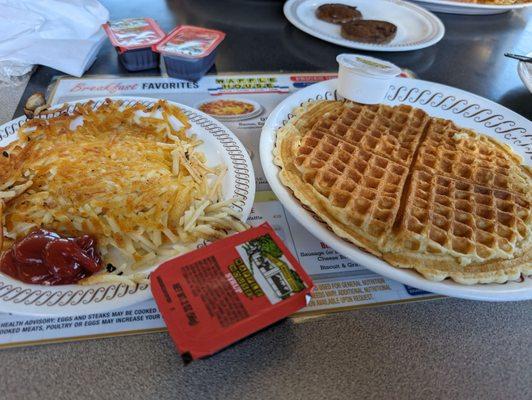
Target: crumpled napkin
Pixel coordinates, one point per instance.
(62, 34)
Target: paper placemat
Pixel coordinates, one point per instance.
(341, 284)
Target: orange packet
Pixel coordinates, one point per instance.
(218, 294)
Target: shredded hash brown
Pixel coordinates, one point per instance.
(129, 175)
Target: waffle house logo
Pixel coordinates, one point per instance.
(262, 269)
(247, 85)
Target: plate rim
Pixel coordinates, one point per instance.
(479, 6)
(439, 28)
(489, 292)
(23, 299)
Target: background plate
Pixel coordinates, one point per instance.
(466, 110)
(525, 73)
(220, 145)
(457, 7)
(417, 28)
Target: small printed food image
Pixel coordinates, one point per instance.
(106, 192)
(354, 27)
(416, 191)
(225, 107)
(336, 13)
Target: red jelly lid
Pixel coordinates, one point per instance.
(221, 293)
(133, 33)
(190, 41)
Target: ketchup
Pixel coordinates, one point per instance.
(47, 258)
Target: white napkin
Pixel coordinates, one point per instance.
(62, 34)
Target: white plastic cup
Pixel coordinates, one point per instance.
(364, 79)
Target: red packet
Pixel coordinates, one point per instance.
(216, 295)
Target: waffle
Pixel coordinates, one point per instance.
(414, 190)
(392, 133)
(355, 191)
(461, 153)
(457, 229)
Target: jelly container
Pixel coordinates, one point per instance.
(133, 39)
(364, 79)
(189, 51)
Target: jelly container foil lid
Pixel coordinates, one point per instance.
(368, 65)
(133, 33)
(190, 42)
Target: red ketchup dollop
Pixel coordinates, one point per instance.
(47, 258)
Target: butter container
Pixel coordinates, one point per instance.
(133, 38)
(364, 79)
(189, 51)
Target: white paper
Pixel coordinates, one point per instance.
(62, 34)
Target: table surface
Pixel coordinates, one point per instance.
(437, 349)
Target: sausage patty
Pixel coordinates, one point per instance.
(337, 13)
(369, 31)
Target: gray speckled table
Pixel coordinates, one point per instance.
(9, 96)
(447, 349)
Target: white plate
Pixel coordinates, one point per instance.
(466, 110)
(220, 145)
(257, 108)
(525, 73)
(457, 7)
(417, 28)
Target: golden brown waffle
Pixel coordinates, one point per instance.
(362, 190)
(452, 228)
(392, 133)
(414, 190)
(461, 153)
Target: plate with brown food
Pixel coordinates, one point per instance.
(474, 7)
(431, 188)
(95, 194)
(376, 25)
(524, 69)
(229, 108)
